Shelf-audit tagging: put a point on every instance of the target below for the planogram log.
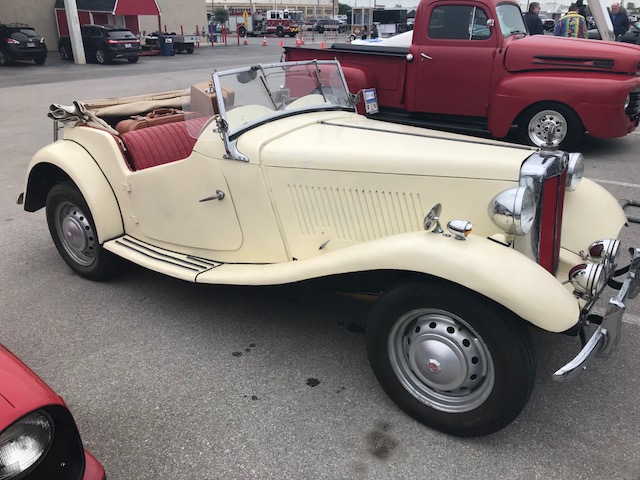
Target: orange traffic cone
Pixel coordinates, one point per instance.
(280, 43)
(322, 44)
(245, 40)
(297, 42)
(302, 40)
(264, 41)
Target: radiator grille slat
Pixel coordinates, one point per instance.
(354, 215)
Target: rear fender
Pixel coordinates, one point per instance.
(66, 160)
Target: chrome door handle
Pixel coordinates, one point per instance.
(424, 55)
(218, 196)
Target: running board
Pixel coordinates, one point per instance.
(178, 265)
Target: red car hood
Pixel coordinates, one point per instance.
(546, 52)
(21, 390)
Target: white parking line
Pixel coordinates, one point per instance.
(613, 182)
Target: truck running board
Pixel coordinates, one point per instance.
(455, 126)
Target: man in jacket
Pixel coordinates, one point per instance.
(531, 18)
(572, 25)
(620, 21)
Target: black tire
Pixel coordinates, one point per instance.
(242, 31)
(133, 59)
(65, 52)
(73, 232)
(5, 59)
(280, 32)
(190, 50)
(534, 121)
(40, 60)
(101, 57)
(449, 358)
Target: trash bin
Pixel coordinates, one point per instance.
(166, 45)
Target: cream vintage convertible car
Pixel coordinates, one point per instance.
(271, 177)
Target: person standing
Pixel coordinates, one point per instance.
(533, 21)
(572, 25)
(620, 21)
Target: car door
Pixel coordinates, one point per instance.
(185, 203)
(453, 60)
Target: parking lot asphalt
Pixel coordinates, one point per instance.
(170, 380)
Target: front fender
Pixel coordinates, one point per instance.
(493, 270)
(66, 160)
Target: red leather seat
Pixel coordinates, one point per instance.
(160, 144)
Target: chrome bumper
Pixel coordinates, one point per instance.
(606, 337)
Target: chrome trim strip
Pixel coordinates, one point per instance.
(607, 336)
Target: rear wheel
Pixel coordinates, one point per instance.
(451, 359)
(535, 123)
(65, 52)
(133, 59)
(5, 59)
(40, 60)
(280, 32)
(242, 31)
(74, 234)
(101, 57)
(190, 50)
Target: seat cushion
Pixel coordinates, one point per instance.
(160, 144)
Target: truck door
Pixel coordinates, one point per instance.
(453, 60)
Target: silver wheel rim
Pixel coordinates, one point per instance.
(440, 360)
(540, 123)
(75, 233)
(100, 56)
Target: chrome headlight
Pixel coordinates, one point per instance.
(588, 278)
(575, 171)
(605, 251)
(24, 443)
(513, 210)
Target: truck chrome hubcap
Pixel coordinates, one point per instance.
(441, 360)
(75, 233)
(539, 127)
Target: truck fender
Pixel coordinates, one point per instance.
(495, 271)
(66, 160)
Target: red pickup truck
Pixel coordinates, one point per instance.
(471, 67)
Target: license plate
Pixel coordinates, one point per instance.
(31, 44)
(127, 45)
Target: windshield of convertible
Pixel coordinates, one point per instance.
(255, 95)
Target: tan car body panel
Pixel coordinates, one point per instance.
(293, 213)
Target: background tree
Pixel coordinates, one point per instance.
(343, 8)
(220, 15)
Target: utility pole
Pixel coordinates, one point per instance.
(71, 9)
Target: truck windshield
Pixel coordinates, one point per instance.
(510, 19)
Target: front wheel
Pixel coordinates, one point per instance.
(5, 59)
(280, 32)
(450, 358)
(534, 126)
(65, 52)
(74, 234)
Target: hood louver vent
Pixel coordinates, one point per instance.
(549, 60)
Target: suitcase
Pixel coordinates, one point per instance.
(156, 117)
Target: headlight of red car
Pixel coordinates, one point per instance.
(24, 443)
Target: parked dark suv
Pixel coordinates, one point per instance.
(104, 43)
(19, 41)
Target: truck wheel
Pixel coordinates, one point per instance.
(65, 52)
(73, 232)
(533, 126)
(280, 32)
(449, 358)
(101, 57)
(242, 31)
(190, 50)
